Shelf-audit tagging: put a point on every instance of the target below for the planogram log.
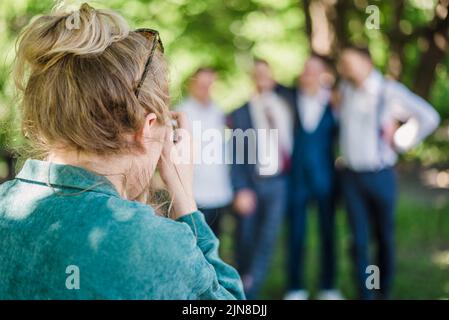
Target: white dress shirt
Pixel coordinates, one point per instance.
(362, 118)
(311, 108)
(259, 106)
(211, 183)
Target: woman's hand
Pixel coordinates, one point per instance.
(245, 202)
(176, 167)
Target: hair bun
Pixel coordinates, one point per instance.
(86, 31)
(90, 31)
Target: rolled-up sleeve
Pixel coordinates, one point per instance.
(419, 117)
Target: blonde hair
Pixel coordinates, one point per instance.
(77, 73)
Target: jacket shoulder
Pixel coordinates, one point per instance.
(241, 109)
(233, 120)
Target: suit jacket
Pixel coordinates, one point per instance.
(313, 152)
(242, 174)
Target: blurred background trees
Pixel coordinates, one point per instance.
(410, 44)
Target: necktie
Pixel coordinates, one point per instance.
(283, 154)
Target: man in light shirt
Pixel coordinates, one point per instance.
(260, 186)
(371, 107)
(211, 183)
(312, 179)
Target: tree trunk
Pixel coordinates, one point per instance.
(397, 42)
(425, 74)
(339, 21)
(308, 19)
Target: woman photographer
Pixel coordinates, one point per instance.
(77, 224)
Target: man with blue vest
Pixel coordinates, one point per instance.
(312, 178)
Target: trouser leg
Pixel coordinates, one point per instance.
(358, 214)
(273, 196)
(297, 218)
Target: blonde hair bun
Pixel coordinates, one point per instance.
(77, 73)
(86, 31)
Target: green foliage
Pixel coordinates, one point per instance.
(226, 35)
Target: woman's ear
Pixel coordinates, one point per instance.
(145, 132)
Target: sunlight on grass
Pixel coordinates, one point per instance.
(422, 254)
(441, 259)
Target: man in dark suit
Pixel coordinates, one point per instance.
(312, 178)
(261, 145)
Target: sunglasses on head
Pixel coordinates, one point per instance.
(150, 35)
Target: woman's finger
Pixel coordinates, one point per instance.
(169, 135)
(181, 119)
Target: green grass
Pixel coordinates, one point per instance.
(422, 247)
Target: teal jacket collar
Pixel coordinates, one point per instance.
(65, 176)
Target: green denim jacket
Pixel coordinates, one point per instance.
(65, 233)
